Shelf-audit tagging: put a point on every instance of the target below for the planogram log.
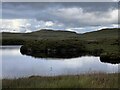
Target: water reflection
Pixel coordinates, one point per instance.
(17, 65)
(113, 58)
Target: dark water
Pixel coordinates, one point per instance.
(15, 65)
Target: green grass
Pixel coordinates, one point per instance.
(96, 80)
(102, 34)
(63, 35)
(40, 35)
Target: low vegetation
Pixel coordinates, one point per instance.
(95, 80)
(110, 57)
(52, 48)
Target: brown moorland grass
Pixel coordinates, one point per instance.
(94, 80)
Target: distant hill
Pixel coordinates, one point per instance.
(41, 34)
(51, 34)
(102, 34)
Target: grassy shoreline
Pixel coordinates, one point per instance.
(94, 80)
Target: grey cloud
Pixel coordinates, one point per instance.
(66, 14)
(35, 9)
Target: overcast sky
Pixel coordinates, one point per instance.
(73, 16)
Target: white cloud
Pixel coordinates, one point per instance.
(116, 0)
(77, 29)
(71, 19)
(91, 28)
(28, 31)
(79, 15)
(13, 25)
(70, 16)
(27, 25)
(49, 23)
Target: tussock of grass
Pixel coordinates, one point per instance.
(96, 80)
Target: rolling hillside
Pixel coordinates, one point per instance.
(42, 34)
(104, 33)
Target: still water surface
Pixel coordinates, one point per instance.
(16, 65)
